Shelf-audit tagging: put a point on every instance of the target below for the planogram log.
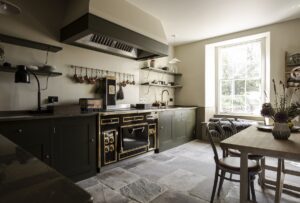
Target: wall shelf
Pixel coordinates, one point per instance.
(157, 85)
(28, 43)
(37, 72)
(291, 61)
(161, 71)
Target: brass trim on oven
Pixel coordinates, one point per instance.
(154, 135)
(109, 121)
(115, 145)
(146, 149)
(133, 118)
(132, 125)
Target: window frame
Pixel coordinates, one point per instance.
(264, 85)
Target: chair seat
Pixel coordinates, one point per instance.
(233, 163)
(237, 153)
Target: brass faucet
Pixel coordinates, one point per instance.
(162, 97)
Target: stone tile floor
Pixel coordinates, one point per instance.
(182, 174)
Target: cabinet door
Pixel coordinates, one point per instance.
(165, 129)
(74, 146)
(32, 135)
(190, 123)
(178, 126)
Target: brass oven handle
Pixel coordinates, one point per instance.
(135, 129)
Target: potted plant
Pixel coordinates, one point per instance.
(282, 113)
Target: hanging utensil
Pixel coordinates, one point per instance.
(75, 77)
(124, 82)
(133, 82)
(80, 78)
(86, 77)
(120, 93)
(92, 79)
(127, 81)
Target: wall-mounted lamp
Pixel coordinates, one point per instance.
(7, 8)
(22, 75)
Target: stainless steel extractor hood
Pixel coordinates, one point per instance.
(93, 32)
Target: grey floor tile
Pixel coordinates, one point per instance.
(181, 180)
(117, 178)
(182, 174)
(196, 167)
(142, 190)
(162, 157)
(88, 182)
(137, 163)
(103, 194)
(152, 171)
(177, 197)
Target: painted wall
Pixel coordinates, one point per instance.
(36, 24)
(284, 37)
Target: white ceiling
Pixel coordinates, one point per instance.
(192, 20)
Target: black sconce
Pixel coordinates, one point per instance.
(22, 75)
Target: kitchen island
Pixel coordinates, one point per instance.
(24, 178)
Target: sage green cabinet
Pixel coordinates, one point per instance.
(176, 127)
(165, 129)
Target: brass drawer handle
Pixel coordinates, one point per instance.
(109, 121)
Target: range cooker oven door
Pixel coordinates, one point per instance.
(134, 137)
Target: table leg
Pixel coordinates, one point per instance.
(279, 180)
(244, 177)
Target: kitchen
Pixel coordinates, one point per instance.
(108, 96)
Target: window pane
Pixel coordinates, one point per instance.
(226, 87)
(253, 86)
(239, 87)
(254, 60)
(226, 104)
(227, 68)
(253, 104)
(239, 104)
(240, 78)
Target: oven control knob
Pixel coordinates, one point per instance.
(111, 139)
(106, 140)
(111, 148)
(106, 149)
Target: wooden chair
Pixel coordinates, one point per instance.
(229, 165)
(230, 129)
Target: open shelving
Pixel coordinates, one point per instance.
(291, 61)
(157, 85)
(161, 71)
(37, 72)
(28, 43)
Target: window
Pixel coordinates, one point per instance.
(241, 77)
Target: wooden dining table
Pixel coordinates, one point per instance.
(251, 140)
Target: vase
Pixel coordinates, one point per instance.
(281, 131)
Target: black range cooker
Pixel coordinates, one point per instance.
(125, 135)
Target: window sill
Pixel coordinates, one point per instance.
(246, 117)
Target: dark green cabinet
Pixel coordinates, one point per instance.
(176, 127)
(74, 147)
(66, 144)
(32, 136)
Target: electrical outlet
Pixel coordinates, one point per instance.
(52, 99)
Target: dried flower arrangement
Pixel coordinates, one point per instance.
(284, 110)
